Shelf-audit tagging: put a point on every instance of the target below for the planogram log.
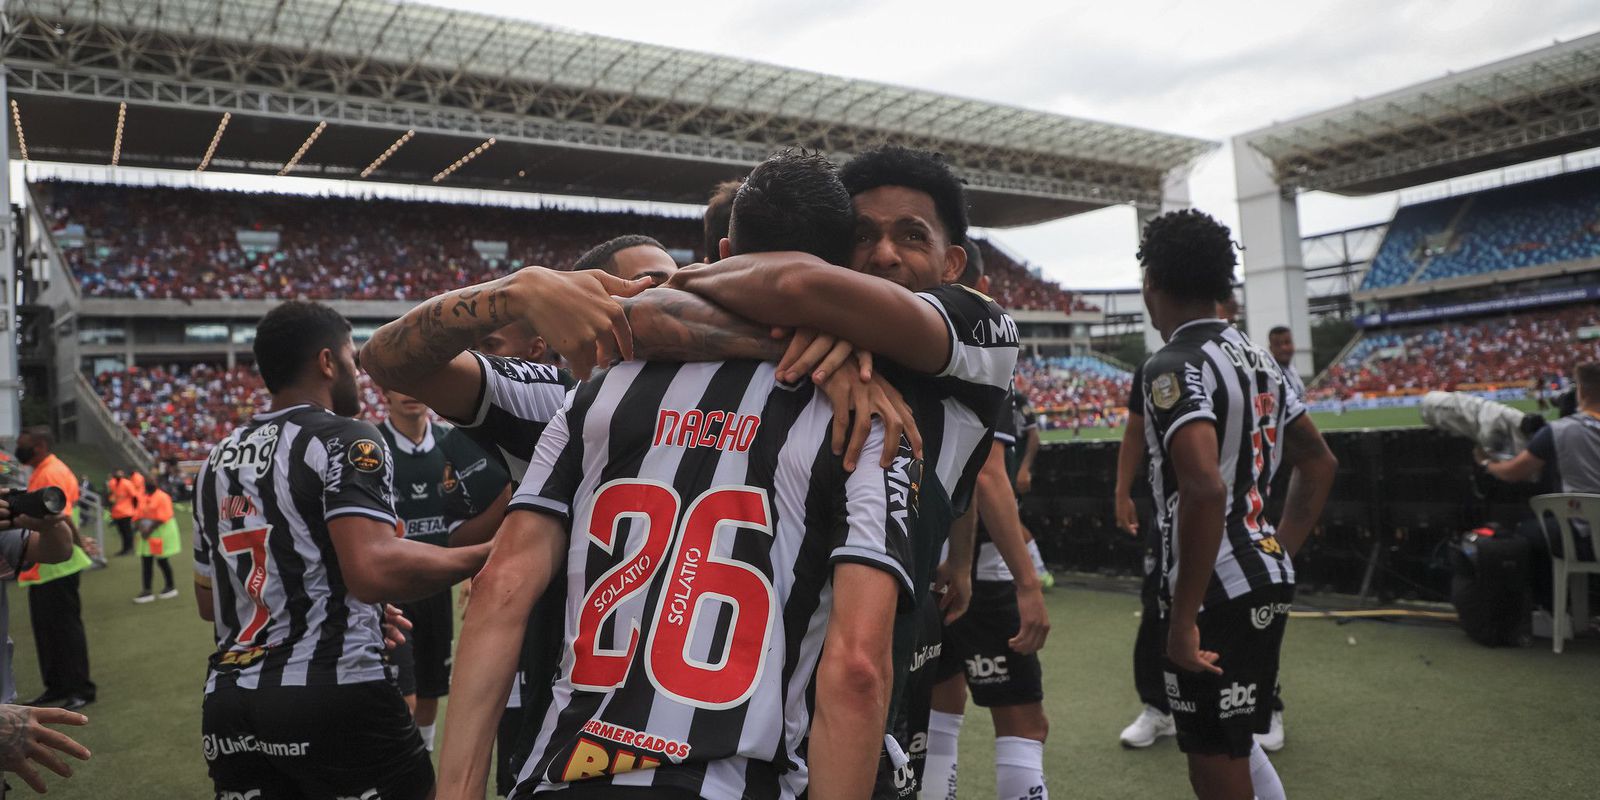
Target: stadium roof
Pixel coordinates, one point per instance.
(1539, 104)
(570, 112)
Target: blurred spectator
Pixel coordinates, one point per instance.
(182, 412)
(1077, 392)
(1014, 287)
(147, 242)
(1525, 349)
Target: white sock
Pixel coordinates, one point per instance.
(1033, 552)
(939, 769)
(1019, 769)
(1263, 777)
(427, 736)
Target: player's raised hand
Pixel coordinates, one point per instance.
(855, 403)
(1035, 620)
(24, 739)
(1183, 650)
(578, 314)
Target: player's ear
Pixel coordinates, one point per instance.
(724, 248)
(328, 363)
(537, 348)
(955, 263)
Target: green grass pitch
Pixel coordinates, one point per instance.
(1374, 710)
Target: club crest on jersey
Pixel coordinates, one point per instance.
(1164, 392)
(254, 452)
(366, 455)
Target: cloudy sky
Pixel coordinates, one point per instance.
(1211, 69)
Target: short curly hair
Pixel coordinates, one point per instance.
(1190, 255)
(920, 170)
(291, 335)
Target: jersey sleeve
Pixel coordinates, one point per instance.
(358, 475)
(1006, 422)
(880, 512)
(1294, 401)
(1543, 445)
(1177, 391)
(474, 480)
(1027, 418)
(519, 389)
(202, 537)
(983, 339)
(556, 468)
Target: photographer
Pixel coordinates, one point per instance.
(54, 605)
(1565, 455)
(24, 542)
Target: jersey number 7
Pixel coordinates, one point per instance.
(694, 574)
(252, 541)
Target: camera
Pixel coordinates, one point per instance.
(38, 503)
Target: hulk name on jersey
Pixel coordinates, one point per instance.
(1210, 372)
(263, 501)
(707, 512)
(423, 476)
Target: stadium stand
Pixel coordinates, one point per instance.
(1013, 286)
(146, 242)
(1550, 221)
(181, 412)
(1074, 392)
(1497, 352)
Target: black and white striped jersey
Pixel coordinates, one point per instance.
(1211, 372)
(515, 401)
(956, 410)
(263, 501)
(706, 512)
(987, 563)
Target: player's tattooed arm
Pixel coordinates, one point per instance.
(413, 350)
(26, 742)
(672, 325)
(424, 353)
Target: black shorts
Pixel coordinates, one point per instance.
(424, 660)
(918, 653)
(314, 742)
(978, 644)
(1220, 714)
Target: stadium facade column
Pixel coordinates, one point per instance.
(10, 382)
(1174, 197)
(1274, 268)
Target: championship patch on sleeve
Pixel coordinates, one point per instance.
(1164, 391)
(366, 455)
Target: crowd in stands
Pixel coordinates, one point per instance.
(1523, 349)
(151, 242)
(1550, 221)
(157, 242)
(181, 412)
(1013, 286)
(1076, 392)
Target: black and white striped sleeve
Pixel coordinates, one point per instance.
(358, 474)
(1178, 390)
(983, 339)
(516, 398)
(1294, 390)
(555, 470)
(202, 537)
(880, 511)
